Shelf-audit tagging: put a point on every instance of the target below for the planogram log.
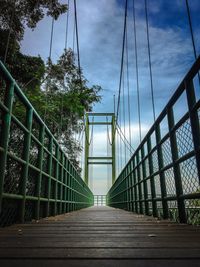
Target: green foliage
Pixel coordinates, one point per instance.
(59, 92)
(19, 14)
(67, 97)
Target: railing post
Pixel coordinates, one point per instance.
(161, 173)
(152, 182)
(177, 174)
(65, 187)
(26, 153)
(194, 120)
(135, 187)
(68, 187)
(132, 185)
(129, 186)
(87, 136)
(61, 186)
(144, 182)
(6, 121)
(40, 161)
(113, 150)
(56, 182)
(49, 170)
(139, 182)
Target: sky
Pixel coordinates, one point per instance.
(100, 28)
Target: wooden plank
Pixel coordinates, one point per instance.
(99, 263)
(98, 233)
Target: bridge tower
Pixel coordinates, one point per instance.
(99, 160)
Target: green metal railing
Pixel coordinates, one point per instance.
(36, 178)
(162, 178)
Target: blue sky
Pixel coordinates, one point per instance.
(100, 36)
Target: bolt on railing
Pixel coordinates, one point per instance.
(162, 178)
(36, 178)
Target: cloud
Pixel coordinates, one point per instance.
(100, 37)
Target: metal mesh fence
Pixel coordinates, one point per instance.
(171, 162)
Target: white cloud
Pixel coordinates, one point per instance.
(100, 37)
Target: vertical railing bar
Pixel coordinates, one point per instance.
(40, 163)
(132, 186)
(139, 181)
(144, 182)
(57, 155)
(176, 167)
(49, 171)
(152, 182)
(6, 122)
(135, 187)
(194, 120)
(26, 154)
(61, 186)
(65, 187)
(161, 174)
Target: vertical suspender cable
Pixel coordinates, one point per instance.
(191, 28)
(77, 39)
(128, 87)
(122, 61)
(137, 74)
(120, 122)
(192, 33)
(74, 33)
(124, 115)
(107, 156)
(117, 150)
(67, 25)
(51, 39)
(50, 52)
(150, 64)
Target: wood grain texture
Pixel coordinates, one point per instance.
(100, 236)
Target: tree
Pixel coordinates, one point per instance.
(59, 92)
(66, 98)
(15, 15)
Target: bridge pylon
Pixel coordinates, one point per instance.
(90, 160)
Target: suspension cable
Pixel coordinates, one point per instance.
(122, 60)
(150, 63)
(118, 154)
(67, 26)
(50, 53)
(51, 39)
(122, 138)
(192, 34)
(108, 135)
(137, 74)
(191, 28)
(124, 113)
(87, 137)
(77, 40)
(120, 121)
(121, 133)
(128, 87)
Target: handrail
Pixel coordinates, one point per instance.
(171, 167)
(36, 177)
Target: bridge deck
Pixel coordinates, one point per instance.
(100, 236)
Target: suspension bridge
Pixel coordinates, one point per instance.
(150, 215)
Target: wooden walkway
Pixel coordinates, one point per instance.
(100, 236)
